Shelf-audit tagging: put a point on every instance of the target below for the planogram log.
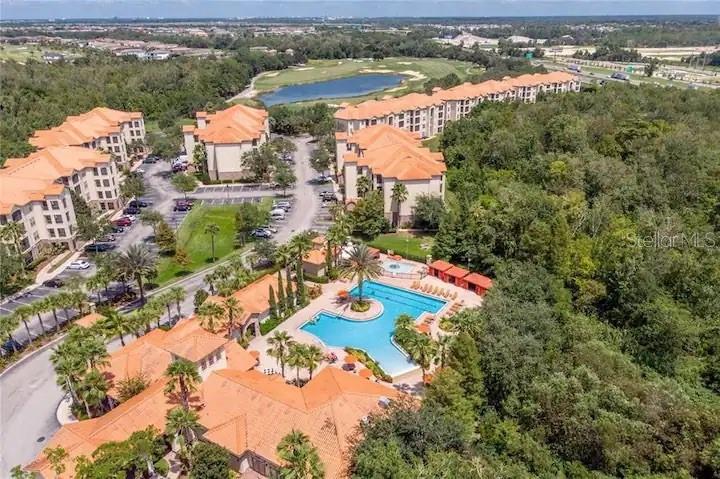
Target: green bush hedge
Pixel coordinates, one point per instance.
(316, 279)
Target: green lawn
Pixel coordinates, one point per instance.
(192, 238)
(23, 53)
(416, 70)
(410, 245)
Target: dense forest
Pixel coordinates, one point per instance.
(37, 95)
(597, 351)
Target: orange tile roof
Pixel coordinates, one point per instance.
(327, 409)
(479, 280)
(88, 320)
(379, 108)
(23, 180)
(233, 125)
(84, 128)
(457, 272)
(394, 153)
(441, 265)
(315, 256)
(253, 298)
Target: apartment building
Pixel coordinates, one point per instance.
(427, 115)
(35, 191)
(226, 136)
(388, 155)
(118, 132)
(239, 408)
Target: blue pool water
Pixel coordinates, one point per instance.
(374, 336)
(343, 87)
(392, 266)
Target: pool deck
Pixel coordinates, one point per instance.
(411, 381)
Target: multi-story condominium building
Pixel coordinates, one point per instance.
(239, 408)
(118, 132)
(428, 114)
(35, 191)
(226, 136)
(388, 155)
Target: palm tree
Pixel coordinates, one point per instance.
(93, 390)
(297, 358)
(313, 358)
(280, 343)
(65, 301)
(116, 324)
(181, 422)
(183, 378)
(138, 263)
(69, 368)
(151, 218)
(284, 256)
(38, 308)
(56, 456)
(52, 303)
(8, 324)
(301, 243)
(234, 310)
(444, 345)
(177, 294)
(93, 284)
(422, 350)
(398, 195)
(23, 313)
(361, 265)
(299, 456)
(363, 185)
(210, 315)
(212, 229)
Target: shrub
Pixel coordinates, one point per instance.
(369, 363)
(316, 279)
(360, 306)
(162, 467)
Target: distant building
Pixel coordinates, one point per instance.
(226, 136)
(52, 57)
(159, 55)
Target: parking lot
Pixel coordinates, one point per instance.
(238, 188)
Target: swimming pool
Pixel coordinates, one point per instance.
(374, 336)
(392, 266)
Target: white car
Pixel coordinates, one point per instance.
(79, 264)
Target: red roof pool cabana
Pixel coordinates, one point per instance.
(478, 283)
(438, 267)
(455, 276)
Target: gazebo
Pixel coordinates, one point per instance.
(438, 268)
(478, 283)
(455, 276)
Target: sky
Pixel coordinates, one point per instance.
(95, 9)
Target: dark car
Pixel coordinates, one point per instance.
(138, 204)
(10, 346)
(182, 206)
(122, 222)
(179, 167)
(132, 210)
(99, 247)
(261, 233)
(151, 159)
(117, 229)
(53, 283)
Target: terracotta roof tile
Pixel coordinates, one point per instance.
(233, 125)
(457, 272)
(84, 128)
(441, 265)
(88, 320)
(479, 280)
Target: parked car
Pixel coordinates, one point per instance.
(285, 205)
(10, 346)
(179, 167)
(99, 247)
(271, 229)
(183, 206)
(78, 264)
(277, 214)
(261, 233)
(54, 283)
(327, 194)
(117, 229)
(132, 210)
(140, 171)
(139, 204)
(124, 221)
(151, 159)
(109, 238)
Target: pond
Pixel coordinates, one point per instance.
(343, 87)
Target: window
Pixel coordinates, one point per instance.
(61, 232)
(58, 219)
(44, 205)
(114, 139)
(55, 205)
(67, 216)
(75, 178)
(36, 236)
(32, 221)
(211, 360)
(17, 215)
(48, 219)
(97, 183)
(100, 194)
(102, 205)
(103, 170)
(51, 232)
(106, 183)
(136, 123)
(254, 142)
(95, 171)
(117, 149)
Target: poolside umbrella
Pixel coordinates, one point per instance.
(365, 373)
(424, 328)
(350, 359)
(343, 294)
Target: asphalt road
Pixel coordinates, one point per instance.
(29, 395)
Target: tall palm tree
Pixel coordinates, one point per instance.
(52, 303)
(234, 310)
(299, 456)
(301, 243)
(313, 358)
(399, 195)
(116, 324)
(284, 255)
(38, 308)
(181, 422)
(93, 391)
(363, 185)
(422, 350)
(93, 285)
(177, 294)
(280, 343)
(211, 314)
(13, 233)
(297, 358)
(183, 378)
(65, 301)
(444, 346)
(8, 325)
(139, 263)
(361, 265)
(69, 368)
(22, 314)
(212, 229)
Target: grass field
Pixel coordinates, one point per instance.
(23, 53)
(191, 236)
(416, 71)
(411, 245)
